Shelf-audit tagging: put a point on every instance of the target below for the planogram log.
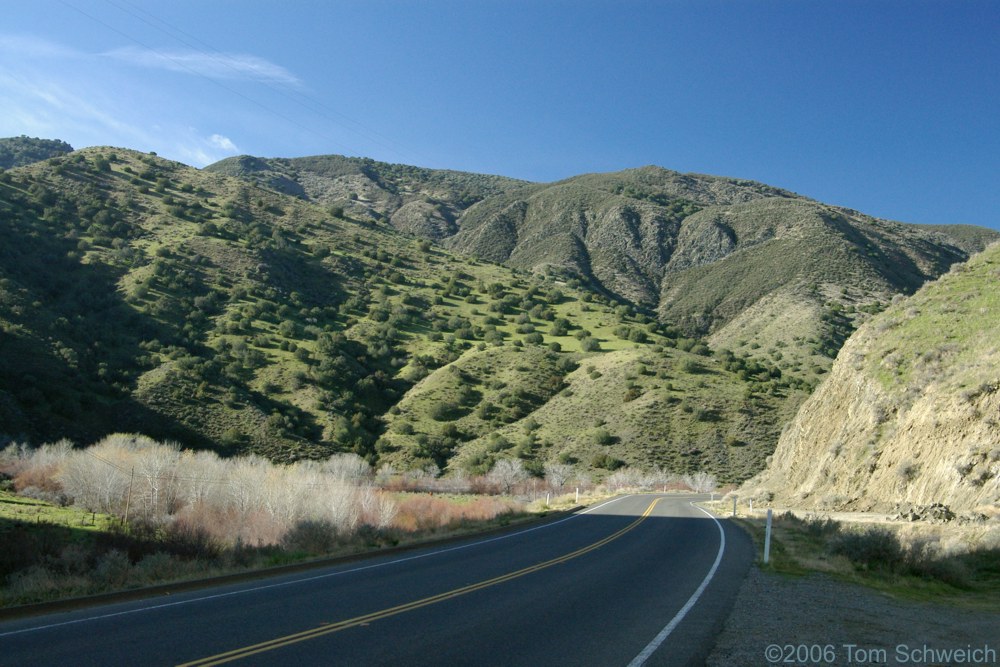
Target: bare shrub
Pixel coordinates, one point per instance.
(377, 509)
(37, 469)
(347, 468)
(506, 474)
(623, 478)
(557, 474)
(312, 536)
(990, 540)
(700, 482)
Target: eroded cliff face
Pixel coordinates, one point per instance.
(911, 410)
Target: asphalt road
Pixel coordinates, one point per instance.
(642, 579)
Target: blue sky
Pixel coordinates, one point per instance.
(887, 107)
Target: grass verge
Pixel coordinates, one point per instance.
(957, 565)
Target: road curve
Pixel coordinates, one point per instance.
(642, 579)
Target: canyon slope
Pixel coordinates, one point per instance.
(910, 413)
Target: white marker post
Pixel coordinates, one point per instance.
(578, 495)
(767, 539)
(734, 505)
(547, 499)
(751, 506)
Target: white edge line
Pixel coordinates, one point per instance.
(644, 655)
(306, 579)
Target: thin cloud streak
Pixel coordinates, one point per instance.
(48, 103)
(200, 151)
(233, 66)
(27, 46)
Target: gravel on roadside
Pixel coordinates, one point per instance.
(817, 620)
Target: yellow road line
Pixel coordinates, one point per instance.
(287, 640)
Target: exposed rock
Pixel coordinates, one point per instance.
(910, 412)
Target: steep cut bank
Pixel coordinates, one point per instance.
(911, 410)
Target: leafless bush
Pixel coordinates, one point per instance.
(700, 482)
(246, 499)
(506, 474)
(557, 474)
(313, 536)
(624, 478)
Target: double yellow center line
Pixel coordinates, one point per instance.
(330, 628)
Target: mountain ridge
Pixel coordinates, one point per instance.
(204, 309)
(705, 253)
(218, 311)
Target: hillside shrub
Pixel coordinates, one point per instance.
(606, 462)
(603, 437)
(871, 549)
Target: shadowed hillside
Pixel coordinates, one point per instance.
(21, 151)
(140, 294)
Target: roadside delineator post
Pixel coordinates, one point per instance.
(578, 495)
(751, 506)
(767, 538)
(734, 505)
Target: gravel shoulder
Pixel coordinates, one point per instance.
(863, 626)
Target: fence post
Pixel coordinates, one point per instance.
(767, 538)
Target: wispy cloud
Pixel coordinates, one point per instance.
(56, 91)
(223, 143)
(200, 151)
(49, 108)
(215, 65)
(26, 46)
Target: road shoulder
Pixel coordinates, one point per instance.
(818, 610)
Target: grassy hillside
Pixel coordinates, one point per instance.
(137, 294)
(909, 412)
(732, 259)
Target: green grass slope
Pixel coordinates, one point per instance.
(709, 253)
(137, 294)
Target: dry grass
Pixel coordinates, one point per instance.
(957, 564)
(429, 513)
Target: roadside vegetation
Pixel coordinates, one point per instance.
(129, 511)
(955, 564)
